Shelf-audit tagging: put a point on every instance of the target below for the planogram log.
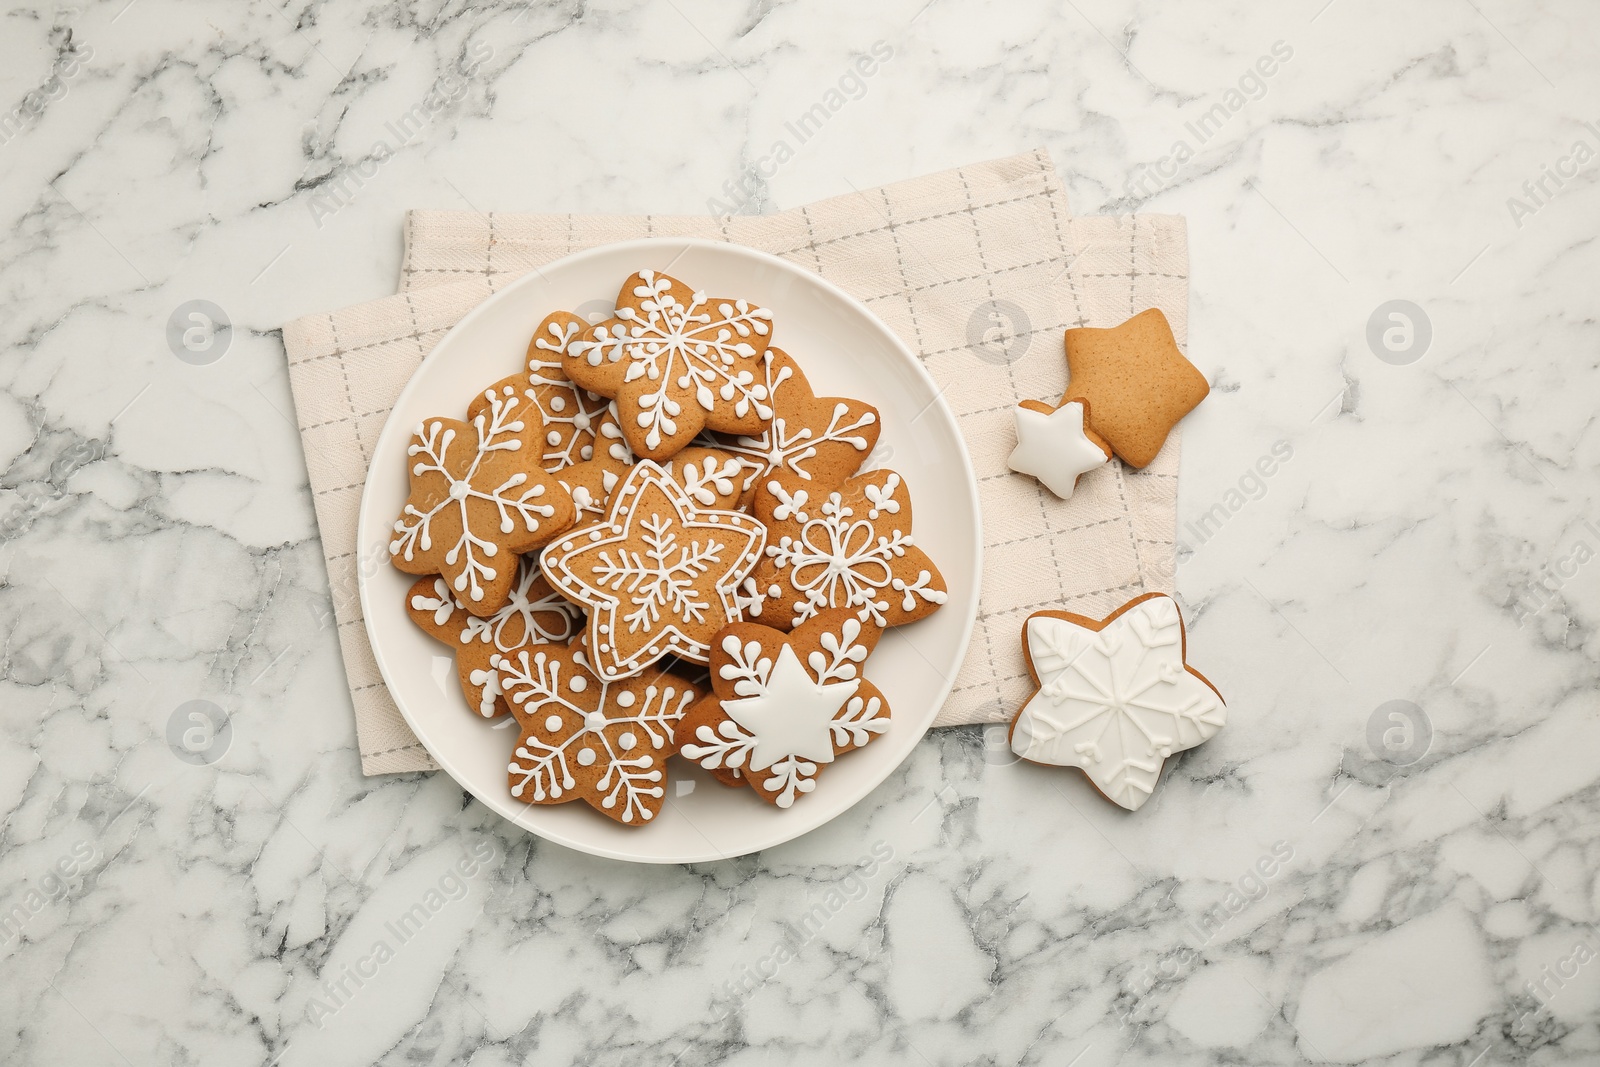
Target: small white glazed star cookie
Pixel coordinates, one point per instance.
(1115, 696)
(1054, 446)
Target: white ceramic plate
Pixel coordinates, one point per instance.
(845, 351)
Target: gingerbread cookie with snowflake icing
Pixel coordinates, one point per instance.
(478, 498)
(1116, 696)
(677, 362)
(848, 548)
(534, 615)
(821, 439)
(567, 424)
(784, 706)
(659, 574)
(584, 737)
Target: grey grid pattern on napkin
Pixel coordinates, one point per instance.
(945, 260)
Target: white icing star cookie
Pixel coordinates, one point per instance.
(1054, 447)
(1115, 696)
(786, 705)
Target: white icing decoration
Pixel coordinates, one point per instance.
(781, 448)
(532, 615)
(1053, 448)
(496, 432)
(841, 561)
(786, 718)
(691, 347)
(681, 580)
(707, 481)
(442, 603)
(1116, 702)
(533, 681)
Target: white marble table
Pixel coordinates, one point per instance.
(1330, 880)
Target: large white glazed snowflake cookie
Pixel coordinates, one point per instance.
(1115, 696)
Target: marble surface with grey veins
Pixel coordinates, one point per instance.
(1390, 854)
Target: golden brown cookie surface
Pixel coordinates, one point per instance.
(1138, 384)
(584, 737)
(848, 548)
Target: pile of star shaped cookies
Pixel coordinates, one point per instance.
(655, 539)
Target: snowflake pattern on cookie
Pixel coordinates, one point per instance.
(658, 574)
(566, 424)
(820, 439)
(534, 615)
(1115, 698)
(478, 497)
(786, 705)
(849, 548)
(584, 737)
(676, 361)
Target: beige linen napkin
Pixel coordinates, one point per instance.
(978, 269)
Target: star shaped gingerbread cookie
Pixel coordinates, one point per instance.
(584, 737)
(659, 573)
(1054, 446)
(1137, 382)
(676, 361)
(1116, 697)
(821, 439)
(784, 706)
(478, 498)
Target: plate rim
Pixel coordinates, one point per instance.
(650, 245)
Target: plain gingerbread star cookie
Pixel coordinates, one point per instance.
(1115, 696)
(478, 498)
(677, 362)
(784, 706)
(659, 573)
(1138, 384)
(583, 737)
